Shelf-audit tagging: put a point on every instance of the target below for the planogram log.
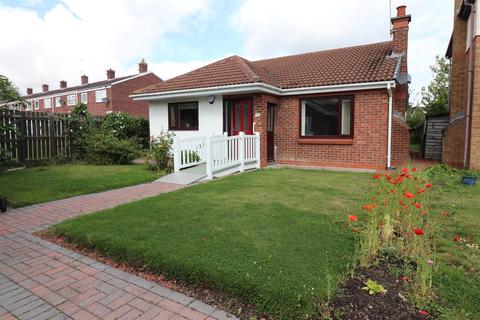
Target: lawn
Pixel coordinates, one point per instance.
(41, 184)
(274, 238)
(457, 280)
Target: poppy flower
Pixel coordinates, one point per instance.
(408, 176)
(414, 169)
(367, 207)
(418, 205)
(377, 176)
(418, 231)
(424, 181)
(423, 312)
(393, 191)
(405, 278)
(408, 195)
(420, 190)
(401, 202)
(428, 185)
(352, 217)
(405, 170)
(457, 238)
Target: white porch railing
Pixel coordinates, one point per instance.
(220, 154)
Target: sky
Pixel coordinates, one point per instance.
(45, 41)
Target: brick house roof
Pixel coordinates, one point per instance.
(359, 64)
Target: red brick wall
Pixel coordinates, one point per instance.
(367, 150)
(400, 143)
(121, 100)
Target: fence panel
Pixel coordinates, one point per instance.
(34, 136)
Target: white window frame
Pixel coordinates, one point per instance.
(47, 105)
(84, 97)
(69, 100)
(36, 104)
(57, 102)
(100, 95)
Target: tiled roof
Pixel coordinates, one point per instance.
(359, 64)
(80, 87)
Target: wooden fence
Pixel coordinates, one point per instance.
(34, 136)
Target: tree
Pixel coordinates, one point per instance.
(8, 92)
(435, 97)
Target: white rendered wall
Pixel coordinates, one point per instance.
(210, 117)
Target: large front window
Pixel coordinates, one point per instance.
(183, 116)
(327, 117)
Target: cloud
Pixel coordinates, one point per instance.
(279, 27)
(87, 36)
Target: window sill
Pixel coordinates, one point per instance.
(337, 141)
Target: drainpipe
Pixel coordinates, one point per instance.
(473, 16)
(390, 115)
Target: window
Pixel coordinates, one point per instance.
(58, 102)
(183, 116)
(47, 103)
(84, 97)
(100, 95)
(71, 99)
(327, 117)
(36, 104)
(29, 105)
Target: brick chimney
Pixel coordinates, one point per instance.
(44, 87)
(110, 74)
(29, 91)
(83, 79)
(142, 66)
(400, 35)
(63, 84)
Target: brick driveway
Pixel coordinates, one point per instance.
(40, 280)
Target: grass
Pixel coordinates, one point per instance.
(273, 238)
(457, 280)
(41, 184)
(415, 147)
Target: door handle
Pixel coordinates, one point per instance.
(253, 126)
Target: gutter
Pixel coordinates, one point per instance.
(389, 135)
(466, 149)
(259, 87)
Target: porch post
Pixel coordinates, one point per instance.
(209, 157)
(241, 151)
(257, 148)
(176, 154)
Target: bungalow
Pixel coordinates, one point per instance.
(338, 108)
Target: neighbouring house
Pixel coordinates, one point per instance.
(339, 108)
(101, 97)
(461, 140)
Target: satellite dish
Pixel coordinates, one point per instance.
(403, 78)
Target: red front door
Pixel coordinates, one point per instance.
(242, 117)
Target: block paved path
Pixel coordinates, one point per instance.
(41, 280)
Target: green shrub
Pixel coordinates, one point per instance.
(107, 149)
(6, 160)
(124, 126)
(159, 157)
(79, 128)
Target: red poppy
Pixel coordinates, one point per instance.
(418, 205)
(414, 169)
(367, 207)
(377, 176)
(457, 238)
(405, 278)
(401, 202)
(423, 312)
(420, 190)
(393, 191)
(418, 231)
(405, 170)
(352, 217)
(408, 176)
(408, 195)
(424, 181)
(428, 185)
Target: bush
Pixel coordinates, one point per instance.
(79, 128)
(107, 149)
(6, 160)
(124, 126)
(159, 157)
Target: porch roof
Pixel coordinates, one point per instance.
(359, 64)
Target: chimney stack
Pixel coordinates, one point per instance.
(400, 35)
(29, 91)
(142, 66)
(44, 87)
(110, 74)
(84, 80)
(63, 84)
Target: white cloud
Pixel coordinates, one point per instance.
(87, 36)
(279, 27)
